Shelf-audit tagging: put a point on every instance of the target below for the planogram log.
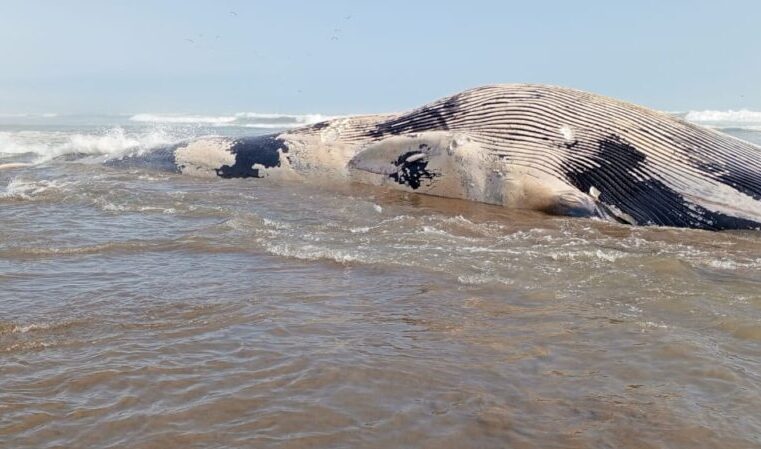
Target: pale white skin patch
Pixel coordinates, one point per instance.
(529, 188)
(464, 170)
(707, 193)
(204, 156)
(568, 135)
(454, 160)
(724, 199)
(324, 156)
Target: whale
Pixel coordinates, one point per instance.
(552, 149)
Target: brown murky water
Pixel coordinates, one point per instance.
(147, 310)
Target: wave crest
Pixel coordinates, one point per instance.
(241, 119)
(729, 116)
(48, 145)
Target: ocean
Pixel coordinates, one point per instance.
(146, 309)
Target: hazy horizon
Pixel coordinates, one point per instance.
(342, 57)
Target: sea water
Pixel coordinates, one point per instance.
(145, 309)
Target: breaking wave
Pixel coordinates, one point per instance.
(730, 116)
(741, 120)
(241, 119)
(48, 145)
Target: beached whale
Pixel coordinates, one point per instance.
(553, 149)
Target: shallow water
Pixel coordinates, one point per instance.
(143, 309)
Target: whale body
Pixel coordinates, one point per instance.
(553, 149)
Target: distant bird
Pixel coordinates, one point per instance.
(190, 40)
(233, 13)
(348, 17)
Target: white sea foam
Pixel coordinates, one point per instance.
(16, 189)
(47, 145)
(22, 189)
(483, 278)
(743, 116)
(116, 141)
(191, 119)
(586, 255)
(22, 142)
(311, 252)
(24, 328)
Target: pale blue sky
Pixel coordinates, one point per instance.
(351, 56)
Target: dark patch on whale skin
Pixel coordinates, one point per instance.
(647, 201)
(432, 117)
(262, 150)
(411, 173)
(320, 125)
(571, 145)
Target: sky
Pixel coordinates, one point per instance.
(337, 57)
